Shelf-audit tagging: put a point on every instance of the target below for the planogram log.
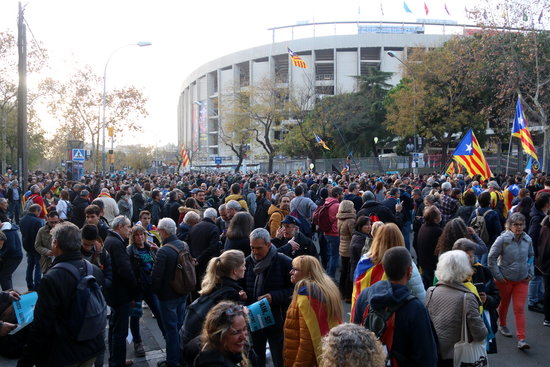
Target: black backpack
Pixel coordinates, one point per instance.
(196, 313)
(381, 320)
(88, 310)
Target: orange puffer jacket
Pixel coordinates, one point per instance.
(298, 348)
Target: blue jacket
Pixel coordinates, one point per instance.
(30, 224)
(12, 246)
(413, 332)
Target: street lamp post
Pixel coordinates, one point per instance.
(391, 54)
(104, 98)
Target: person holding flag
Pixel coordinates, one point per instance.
(316, 307)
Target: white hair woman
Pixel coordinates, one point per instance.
(511, 262)
(446, 300)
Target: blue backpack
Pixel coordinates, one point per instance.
(88, 311)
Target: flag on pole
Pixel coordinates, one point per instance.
(320, 141)
(451, 169)
(521, 131)
(184, 157)
(540, 16)
(529, 170)
(468, 153)
(296, 60)
(426, 8)
(449, 13)
(407, 9)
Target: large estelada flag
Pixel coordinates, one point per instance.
(366, 274)
(521, 131)
(468, 153)
(184, 157)
(314, 312)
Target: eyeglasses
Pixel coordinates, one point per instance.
(234, 310)
(294, 270)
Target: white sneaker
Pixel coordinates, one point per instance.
(522, 345)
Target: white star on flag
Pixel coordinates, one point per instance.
(469, 148)
(521, 122)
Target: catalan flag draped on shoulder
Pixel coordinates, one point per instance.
(184, 157)
(313, 309)
(521, 131)
(509, 194)
(296, 60)
(366, 274)
(468, 153)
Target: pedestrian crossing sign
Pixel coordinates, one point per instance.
(79, 155)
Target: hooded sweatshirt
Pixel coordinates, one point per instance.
(413, 336)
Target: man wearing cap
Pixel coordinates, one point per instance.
(448, 206)
(78, 216)
(290, 241)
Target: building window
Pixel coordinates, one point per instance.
(244, 74)
(324, 55)
(370, 53)
(324, 71)
(281, 68)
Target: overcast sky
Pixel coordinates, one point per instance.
(185, 34)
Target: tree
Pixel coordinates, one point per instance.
(266, 107)
(436, 99)
(138, 158)
(76, 103)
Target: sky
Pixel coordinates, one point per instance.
(184, 34)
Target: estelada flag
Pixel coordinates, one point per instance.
(468, 153)
(521, 131)
(508, 195)
(314, 312)
(366, 274)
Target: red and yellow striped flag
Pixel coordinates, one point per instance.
(469, 154)
(296, 60)
(184, 157)
(314, 313)
(521, 131)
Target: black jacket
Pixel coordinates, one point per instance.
(143, 276)
(165, 269)
(29, 225)
(138, 202)
(535, 226)
(381, 211)
(215, 358)
(124, 287)
(49, 343)
(306, 246)
(261, 217)
(242, 244)
(204, 240)
(276, 282)
(78, 217)
(356, 200)
(9, 194)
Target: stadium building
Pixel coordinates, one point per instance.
(332, 61)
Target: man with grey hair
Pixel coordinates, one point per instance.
(204, 242)
(447, 205)
(48, 343)
(233, 207)
(267, 276)
(123, 289)
(35, 198)
(223, 219)
(172, 304)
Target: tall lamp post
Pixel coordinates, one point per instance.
(391, 54)
(104, 98)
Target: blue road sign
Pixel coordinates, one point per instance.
(79, 155)
(218, 160)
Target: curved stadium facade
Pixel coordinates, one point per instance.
(333, 63)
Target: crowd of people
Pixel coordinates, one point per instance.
(429, 255)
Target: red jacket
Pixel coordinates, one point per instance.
(332, 211)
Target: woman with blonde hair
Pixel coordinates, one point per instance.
(370, 270)
(351, 345)
(224, 337)
(316, 307)
(219, 283)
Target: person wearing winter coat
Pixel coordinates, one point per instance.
(277, 213)
(346, 226)
(267, 276)
(428, 235)
(511, 261)
(10, 253)
(361, 232)
(291, 242)
(542, 262)
(315, 308)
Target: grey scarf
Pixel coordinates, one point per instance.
(260, 266)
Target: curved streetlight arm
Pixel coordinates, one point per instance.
(104, 97)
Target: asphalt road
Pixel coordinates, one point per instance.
(508, 355)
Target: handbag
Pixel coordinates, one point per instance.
(466, 353)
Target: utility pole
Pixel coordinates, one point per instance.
(4, 132)
(22, 148)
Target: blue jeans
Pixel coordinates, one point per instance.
(333, 243)
(406, 231)
(153, 303)
(118, 331)
(33, 266)
(536, 291)
(173, 313)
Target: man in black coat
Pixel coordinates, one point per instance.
(535, 299)
(204, 239)
(267, 276)
(78, 215)
(382, 212)
(30, 225)
(14, 196)
(122, 291)
(49, 342)
(172, 304)
(291, 242)
(138, 202)
(262, 206)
